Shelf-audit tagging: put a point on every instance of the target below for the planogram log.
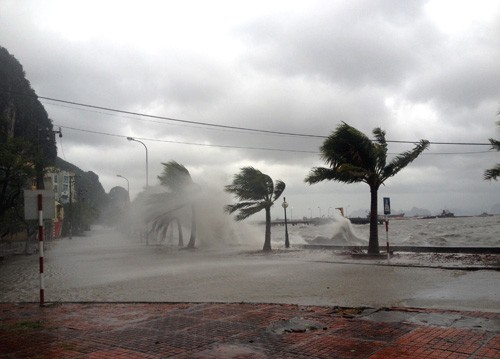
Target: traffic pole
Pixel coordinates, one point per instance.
(40, 248)
(387, 236)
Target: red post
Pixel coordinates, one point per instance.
(40, 247)
(387, 236)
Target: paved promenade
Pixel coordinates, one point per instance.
(236, 330)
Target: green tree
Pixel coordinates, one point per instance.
(182, 190)
(16, 174)
(23, 116)
(255, 191)
(493, 173)
(352, 157)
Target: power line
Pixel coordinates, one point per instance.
(189, 143)
(238, 147)
(207, 124)
(181, 121)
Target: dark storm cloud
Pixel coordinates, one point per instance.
(355, 43)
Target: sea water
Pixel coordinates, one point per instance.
(455, 231)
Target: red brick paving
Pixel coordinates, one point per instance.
(208, 330)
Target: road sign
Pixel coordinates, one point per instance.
(31, 204)
(387, 205)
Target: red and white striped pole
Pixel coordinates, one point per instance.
(40, 247)
(387, 236)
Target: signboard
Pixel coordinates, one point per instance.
(31, 203)
(387, 205)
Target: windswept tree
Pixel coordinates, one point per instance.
(352, 157)
(493, 173)
(255, 191)
(182, 191)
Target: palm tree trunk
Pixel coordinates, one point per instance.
(192, 239)
(373, 241)
(179, 229)
(267, 241)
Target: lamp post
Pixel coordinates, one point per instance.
(310, 213)
(319, 211)
(133, 139)
(128, 186)
(329, 208)
(287, 242)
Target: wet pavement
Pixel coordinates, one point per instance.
(106, 267)
(237, 330)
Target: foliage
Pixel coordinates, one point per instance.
(175, 177)
(164, 209)
(493, 173)
(27, 144)
(23, 116)
(255, 192)
(352, 157)
(16, 173)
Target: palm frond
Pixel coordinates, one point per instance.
(380, 149)
(343, 173)
(402, 160)
(231, 208)
(492, 173)
(175, 177)
(279, 187)
(348, 145)
(246, 209)
(318, 174)
(250, 184)
(495, 144)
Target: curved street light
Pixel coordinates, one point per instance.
(133, 139)
(128, 186)
(287, 242)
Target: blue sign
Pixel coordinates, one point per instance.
(387, 205)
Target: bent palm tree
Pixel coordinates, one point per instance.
(161, 213)
(255, 191)
(352, 157)
(177, 178)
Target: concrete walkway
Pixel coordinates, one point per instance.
(237, 330)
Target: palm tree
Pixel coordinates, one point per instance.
(352, 157)
(161, 213)
(255, 191)
(177, 178)
(493, 173)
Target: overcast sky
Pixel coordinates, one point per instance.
(417, 69)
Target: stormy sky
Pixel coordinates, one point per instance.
(417, 69)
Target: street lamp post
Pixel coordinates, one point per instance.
(133, 139)
(319, 211)
(310, 213)
(128, 186)
(287, 242)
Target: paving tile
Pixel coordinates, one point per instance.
(235, 330)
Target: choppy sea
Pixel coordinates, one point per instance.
(456, 231)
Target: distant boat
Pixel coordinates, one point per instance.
(359, 220)
(446, 214)
(484, 214)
